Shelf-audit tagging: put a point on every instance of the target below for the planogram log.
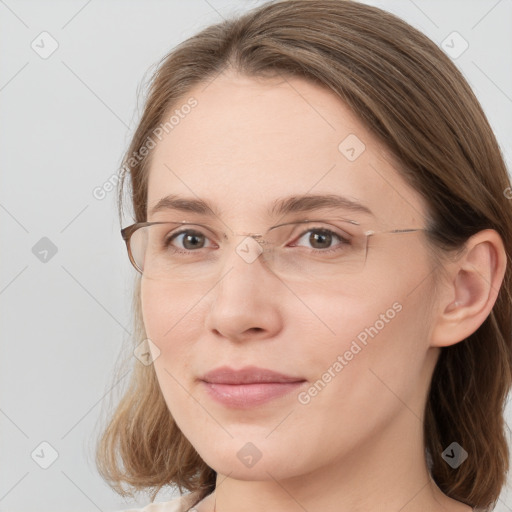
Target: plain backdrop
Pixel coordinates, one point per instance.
(65, 280)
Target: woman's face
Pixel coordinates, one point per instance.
(359, 343)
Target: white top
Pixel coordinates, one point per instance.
(185, 503)
(179, 504)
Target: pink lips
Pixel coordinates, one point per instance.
(249, 386)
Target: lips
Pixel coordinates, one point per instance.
(247, 375)
(248, 387)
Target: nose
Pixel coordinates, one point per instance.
(246, 303)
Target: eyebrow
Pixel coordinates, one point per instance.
(283, 206)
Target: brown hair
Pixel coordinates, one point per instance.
(418, 104)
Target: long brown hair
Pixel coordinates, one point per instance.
(418, 104)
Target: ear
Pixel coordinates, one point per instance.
(470, 291)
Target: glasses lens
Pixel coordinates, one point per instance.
(317, 250)
(170, 250)
(138, 242)
(297, 251)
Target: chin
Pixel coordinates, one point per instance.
(236, 462)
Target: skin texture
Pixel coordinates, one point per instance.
(357, 445)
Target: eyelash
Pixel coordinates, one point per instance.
(342, 240)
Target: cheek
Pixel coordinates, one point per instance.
(155, 310)
(366, 375)
(169, 312)
(171, 322)
(379, 319)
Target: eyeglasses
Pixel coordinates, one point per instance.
(308, 249)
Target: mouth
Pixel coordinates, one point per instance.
(249, 386)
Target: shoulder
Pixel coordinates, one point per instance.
(179, 504)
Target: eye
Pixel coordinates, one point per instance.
(322, 238)
(188, 240)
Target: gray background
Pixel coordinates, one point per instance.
(65, 122)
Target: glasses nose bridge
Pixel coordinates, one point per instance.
(248, 252)
(253, 235)
(258, 237)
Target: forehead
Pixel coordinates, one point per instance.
(248, 142)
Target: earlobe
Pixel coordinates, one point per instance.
(470, 294)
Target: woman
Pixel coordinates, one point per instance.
(323, 301)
